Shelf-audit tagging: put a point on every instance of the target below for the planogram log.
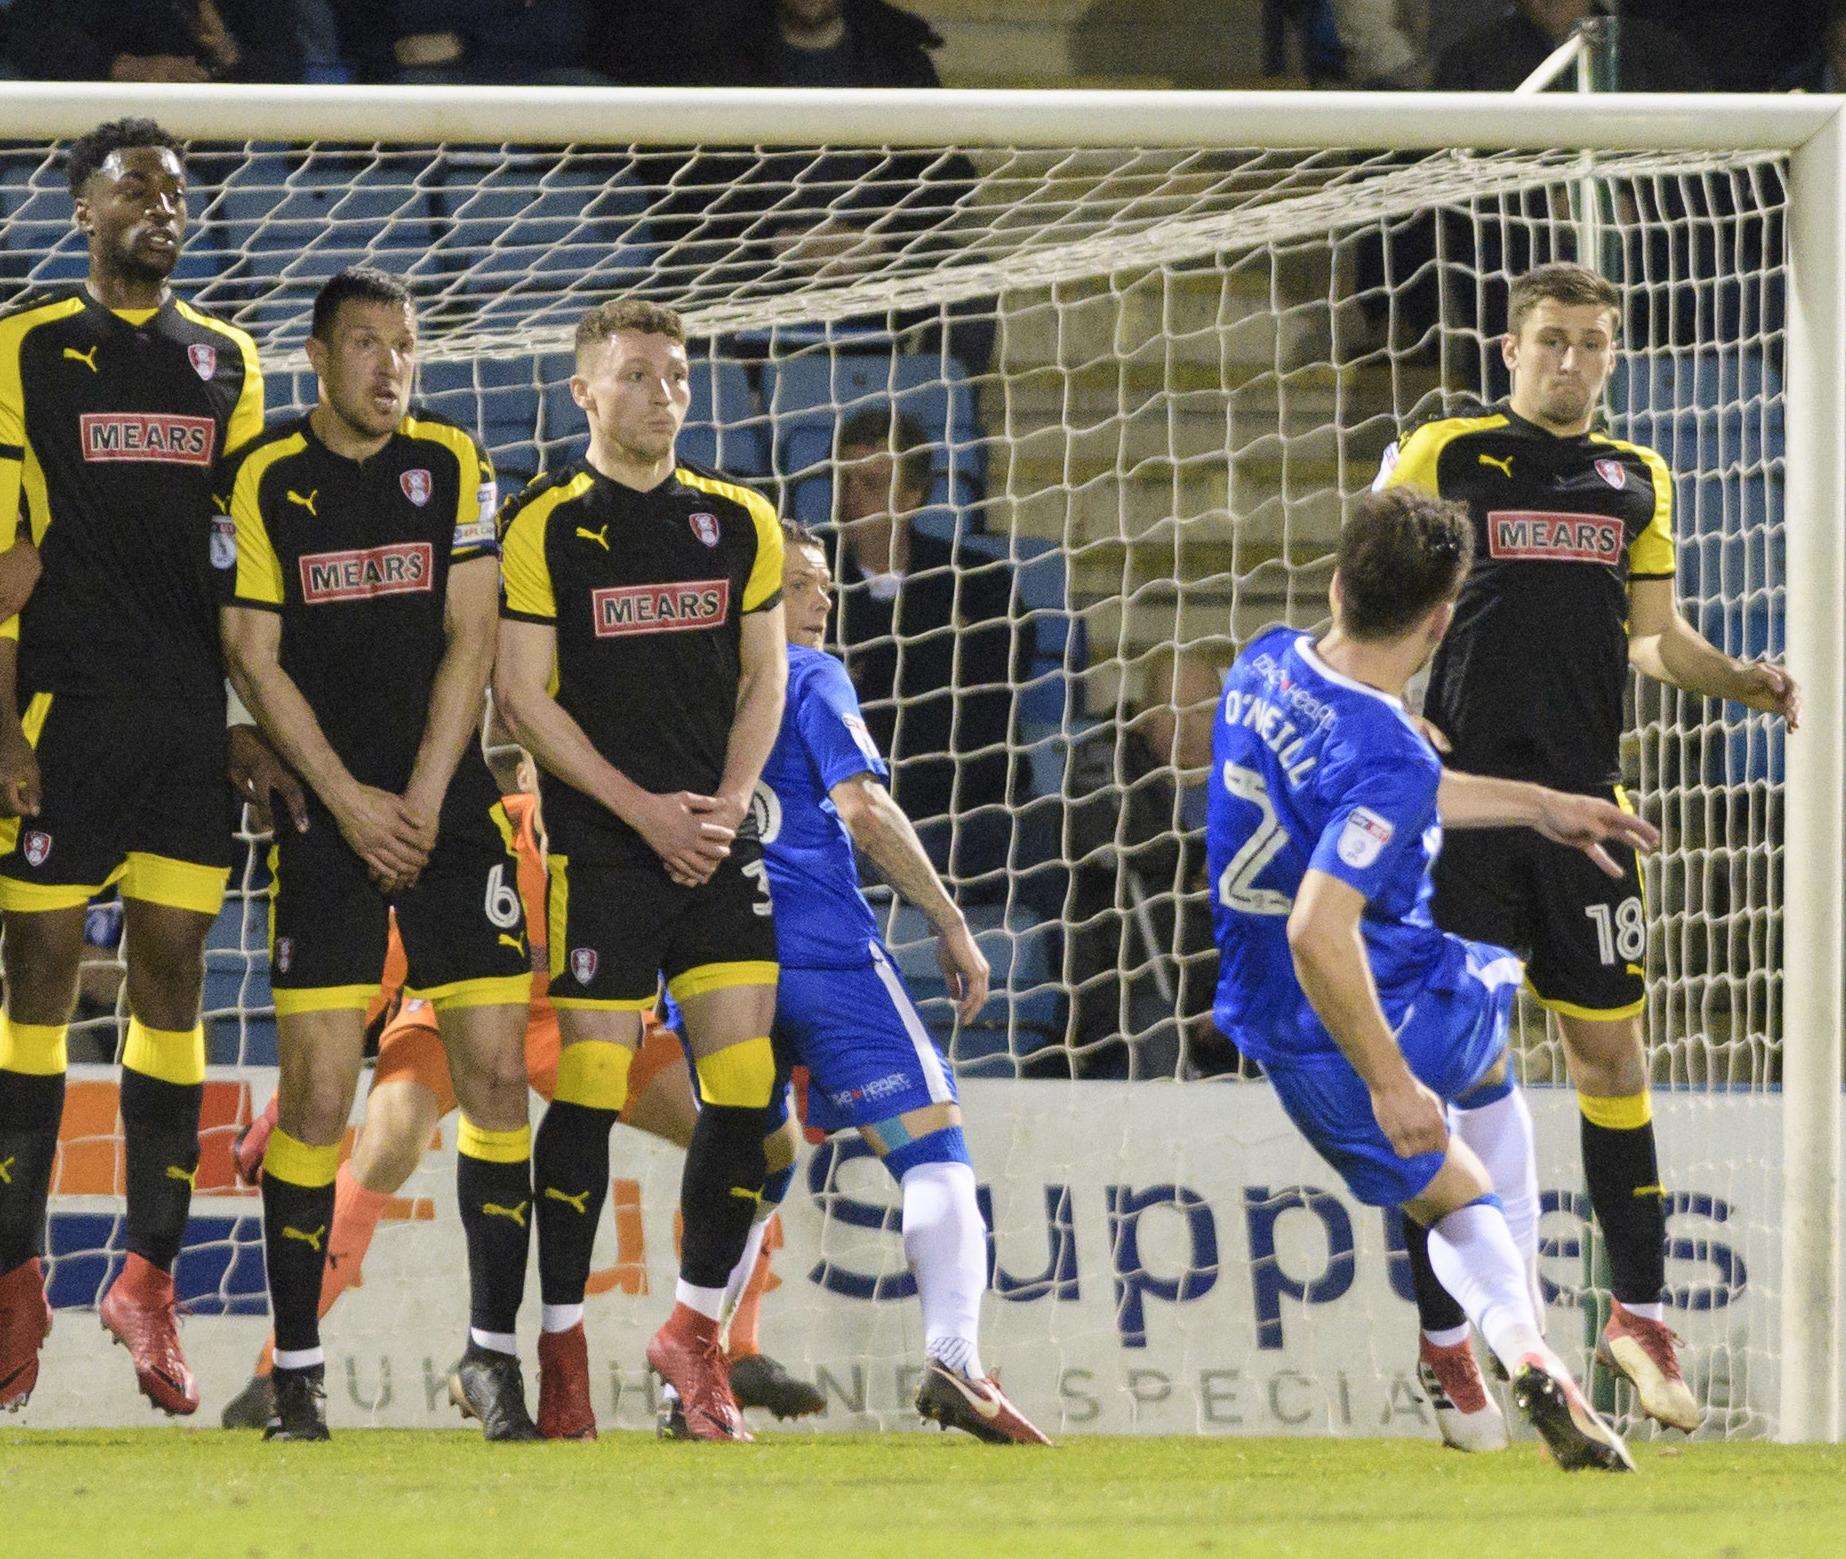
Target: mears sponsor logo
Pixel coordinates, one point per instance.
(137, 435)
(400, 568)
(1517, 535)
(675, 608)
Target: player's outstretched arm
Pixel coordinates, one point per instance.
(372, 821)
(689, 844)
(470, 623)
(1664, 646)
(887, 838)
(1330, 963)
(1585, 823)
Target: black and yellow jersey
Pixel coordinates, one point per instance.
(355, 556)
(111, 422)
(647, 592)
(1528, 684)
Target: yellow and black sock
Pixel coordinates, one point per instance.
(725, 1166)
(1622, 1168)
(163, 1085)
(32, 1063)
(493, 1184)
(570, 1164)
(297, 1218)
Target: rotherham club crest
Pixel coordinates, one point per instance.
(204, 359)
(416, 485)
(705, 527)
(1612, 472)
(37, 846)
(583, 964)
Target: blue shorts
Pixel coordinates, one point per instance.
(1451, 1040)
(868, 1055)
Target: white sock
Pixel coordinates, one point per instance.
(1475, 1257)
(746, 1264)
(1501, 1136)
(299, 1358)
(560, 1318)
(497, 1342)
(709, 1302)
(1447, 1336)
(1647, 1312)
(945, 1243)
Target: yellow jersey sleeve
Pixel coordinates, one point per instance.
(525, 572)
(763, 589)
(1652, 555)
(257, 576)
(1411, 462)
(12, 439)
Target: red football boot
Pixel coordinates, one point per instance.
(958, 1401)
(1647, 1353)
(564, 1411)
(1467, 1416)
(25, 1319)
(687, 1354)
(138, 1311)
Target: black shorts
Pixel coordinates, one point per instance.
(463, 930)
(133, 794)
(615, 929)
(1582, 932)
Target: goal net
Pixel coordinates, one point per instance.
(1143, 386)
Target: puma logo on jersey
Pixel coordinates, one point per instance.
(1650, 1190)
(1504, 467)
(88, 359)
(307, 502)
(6, 1169)
(190, 1176)
(600, 537)
(517, 943)
(576, 1203)
(312, 1241)
(517, 1213)
(745, 1194)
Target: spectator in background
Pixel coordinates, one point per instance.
(1393, 44)
(154, 40)
(930, 643)
(493, 42)
(1825, 71)
(1138, 955)
(1500, 54)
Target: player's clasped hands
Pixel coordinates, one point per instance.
(1412, 1118)
(385, 833)
(689, 834)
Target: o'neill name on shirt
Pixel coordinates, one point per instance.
(1517, 535)
(674, 608)
(398, 569)
(138, 435)
(1276, 731)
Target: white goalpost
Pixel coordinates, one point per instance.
(1153, 344)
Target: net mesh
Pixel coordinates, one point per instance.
(1146, 385)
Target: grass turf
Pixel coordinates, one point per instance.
(204, 1493)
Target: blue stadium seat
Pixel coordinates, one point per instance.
(534, 240)
(496, 399)
(1042, 591)
(809, 396)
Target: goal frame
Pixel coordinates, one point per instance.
(1808, 129)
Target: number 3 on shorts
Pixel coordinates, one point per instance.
(502, 899)
(758, 873)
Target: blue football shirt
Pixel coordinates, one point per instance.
(822, 919)
(1312, 770)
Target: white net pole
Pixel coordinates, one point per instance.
(1816, 847)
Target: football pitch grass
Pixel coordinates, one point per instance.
(396, 1493)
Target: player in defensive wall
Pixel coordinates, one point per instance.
(1572, 584)
(359, 621)
(412, 1092)
(1327, 806)
(642, 664)
(116, 400)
